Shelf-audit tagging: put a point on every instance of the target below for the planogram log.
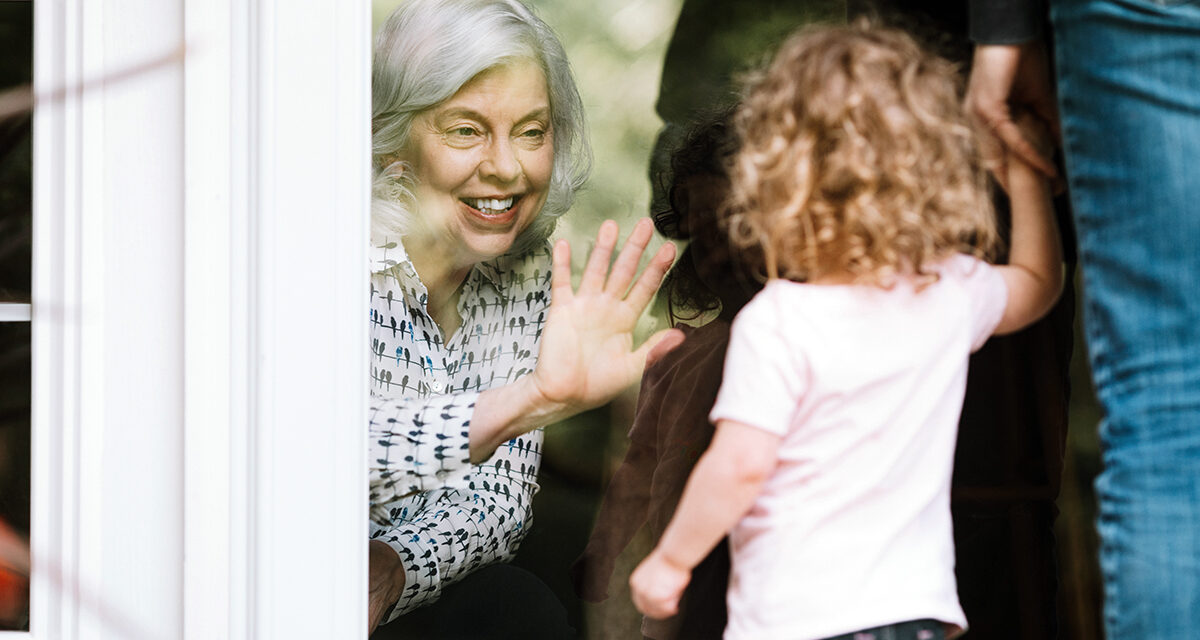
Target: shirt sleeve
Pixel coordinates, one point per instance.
(444, 534)
(765, 376)
(1006, 21)
(417, 444)
(444, 516)
(987, 297)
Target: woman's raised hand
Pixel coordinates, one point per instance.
(587, 353)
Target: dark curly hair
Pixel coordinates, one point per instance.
(709, 275)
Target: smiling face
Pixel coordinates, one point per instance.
(482, 161)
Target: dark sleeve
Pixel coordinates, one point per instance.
(622, 514)
(1006, 21)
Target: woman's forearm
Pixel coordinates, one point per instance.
(416, 444)
(442, 541)
(586, 353)
(506, 412)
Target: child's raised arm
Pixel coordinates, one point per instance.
(1034, 273)
(724, 485)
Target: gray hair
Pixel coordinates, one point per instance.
(425, 52)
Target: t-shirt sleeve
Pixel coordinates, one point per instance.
(987, 297)
(765, 376)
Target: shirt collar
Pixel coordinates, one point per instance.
(388, 253)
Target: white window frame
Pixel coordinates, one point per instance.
(199, 319)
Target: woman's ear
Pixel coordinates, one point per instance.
(390, 163)
(384, 161)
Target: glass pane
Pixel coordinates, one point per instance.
(16, 237)
(16, 240)
(14, 473)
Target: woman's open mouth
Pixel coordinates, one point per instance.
(491, 207)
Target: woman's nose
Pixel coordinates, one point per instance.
(501, 162)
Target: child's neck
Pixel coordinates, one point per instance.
(834, 277)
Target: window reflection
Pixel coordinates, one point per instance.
(16, 70)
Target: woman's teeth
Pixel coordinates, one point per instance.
(490, 205)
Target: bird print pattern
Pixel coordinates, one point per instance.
(443, 515)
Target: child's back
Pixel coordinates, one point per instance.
(864, 386)
(859, 180)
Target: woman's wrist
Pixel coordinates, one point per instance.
(506, 412)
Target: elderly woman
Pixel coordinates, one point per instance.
(479, 146)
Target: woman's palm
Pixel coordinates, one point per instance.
(587, 354)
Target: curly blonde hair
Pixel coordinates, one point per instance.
(856, 158)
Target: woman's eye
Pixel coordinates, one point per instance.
(464, 131)
(533, 138)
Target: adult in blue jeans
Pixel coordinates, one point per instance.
(1128, 76)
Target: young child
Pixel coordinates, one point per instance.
(860, 181)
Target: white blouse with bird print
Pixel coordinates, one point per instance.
(443, 515)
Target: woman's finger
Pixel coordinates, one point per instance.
(597, 265)
(643, 290)
(631, 254)
(560, 279)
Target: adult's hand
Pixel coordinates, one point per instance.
(385, 582)
(1004, 79)
(587, 353)
(586, 356)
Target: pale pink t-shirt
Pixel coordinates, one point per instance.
(865, 385)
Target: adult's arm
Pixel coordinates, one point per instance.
(1010, 74)
(426, 446)
(417, 445)
(450, 532)
(586, 356)
(421, 447)
(622, 513)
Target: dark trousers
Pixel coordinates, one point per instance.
(911, 630)
(499, 602)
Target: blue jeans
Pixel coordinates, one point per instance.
(1129, 95)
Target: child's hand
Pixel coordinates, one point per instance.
(657, 585)
(1036, 132)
